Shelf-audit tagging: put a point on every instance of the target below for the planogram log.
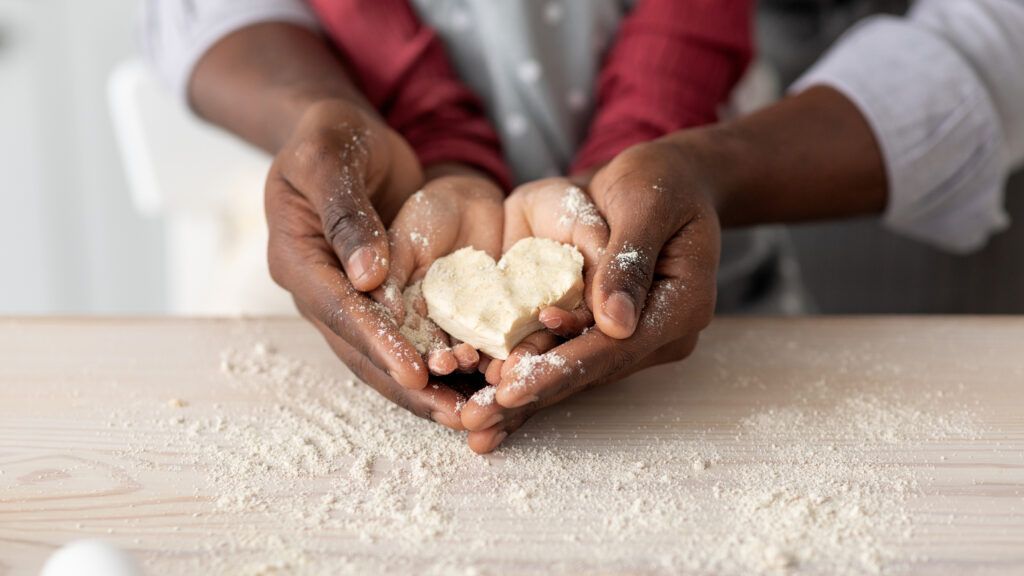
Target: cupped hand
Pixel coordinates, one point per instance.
(651, 289)
(556, 209)
(330, 189)
(458, 209)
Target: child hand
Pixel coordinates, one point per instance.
(652, 289)
(458, 209)
(556, 209)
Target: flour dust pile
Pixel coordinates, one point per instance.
(323, 468)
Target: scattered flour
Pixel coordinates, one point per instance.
(317, 474)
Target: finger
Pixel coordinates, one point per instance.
(533, 345)
(405, 245)
(436, 402)
(493, 373)
(441, 362)
(330, 170)
(481, 411)
(594, 356)
(391, 295)
(565, 323)
(587, 229)
(482, 366)
(467, 356)
(621, 281)
(558, 210)
(304, 265)
(421, 331)
(488, 440)
(642, 217)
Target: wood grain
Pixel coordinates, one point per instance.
(65, 473)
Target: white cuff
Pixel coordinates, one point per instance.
(178, 33)
(936, 125)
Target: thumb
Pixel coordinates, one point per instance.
(622, 280)
(357, 235)
(639, 225)
(332, 176)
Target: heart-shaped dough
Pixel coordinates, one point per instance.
(493, 306)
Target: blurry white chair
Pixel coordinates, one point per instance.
(208, 187)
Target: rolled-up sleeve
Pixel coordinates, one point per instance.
(176, 33)
(943, 91)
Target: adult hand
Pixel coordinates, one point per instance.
(651, 290)
(339, 177)
(457, 209)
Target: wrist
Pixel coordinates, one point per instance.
(259, 81)
(715, 155)
(463, 184)
(457, 169)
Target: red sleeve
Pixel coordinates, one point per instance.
(672, 63)
(403, 70)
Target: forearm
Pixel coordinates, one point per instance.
(809, 157)
(257, 82)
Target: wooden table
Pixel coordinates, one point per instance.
(818, 445)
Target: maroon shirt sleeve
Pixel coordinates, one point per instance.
(403, 70)
(671, 65)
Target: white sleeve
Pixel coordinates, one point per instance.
(943, 91)
(176, 33)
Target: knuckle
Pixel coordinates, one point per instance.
(619, 358)
(340, 224)
(633, 278)
(315, 149)
(336, 320)
(406, 402)
(363, 368)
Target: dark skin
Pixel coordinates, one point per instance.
(339, 177)
(809, 157)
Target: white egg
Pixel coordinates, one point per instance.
(90, 558)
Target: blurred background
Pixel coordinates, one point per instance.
(116, 201)
(70, 239)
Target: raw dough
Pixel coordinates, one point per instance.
(494, 306)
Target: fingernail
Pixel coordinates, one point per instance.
(492, 421)
(498, 438)
(552, 323)
(619, 307)
(360, 262)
